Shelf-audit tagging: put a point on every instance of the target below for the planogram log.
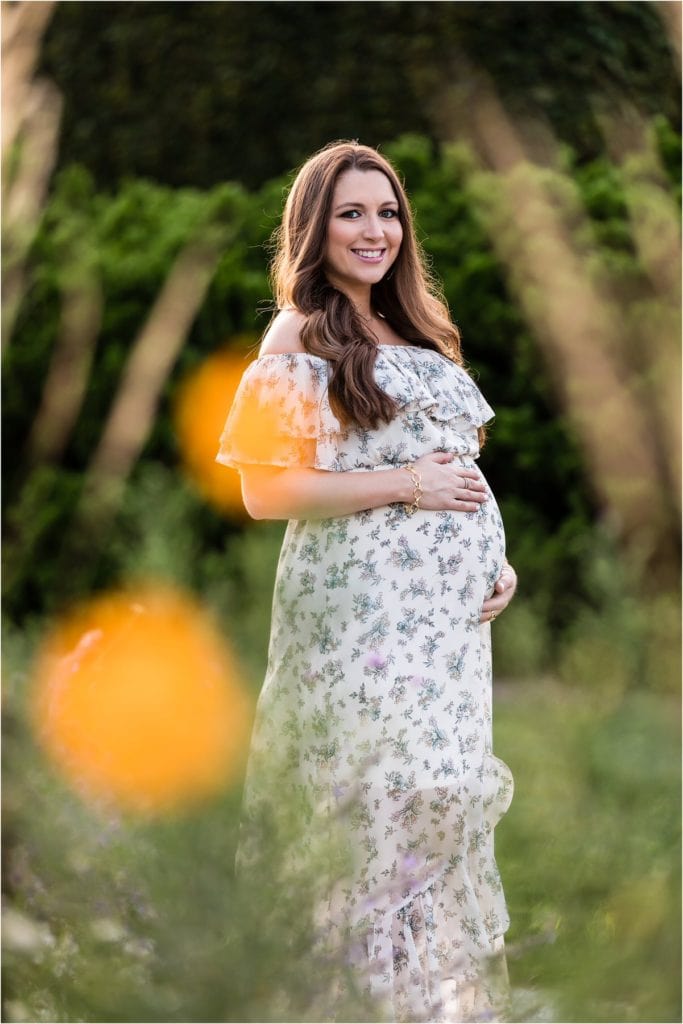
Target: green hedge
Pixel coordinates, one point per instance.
(197, 92)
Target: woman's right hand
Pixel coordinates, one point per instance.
(272, 492)
(448, 485)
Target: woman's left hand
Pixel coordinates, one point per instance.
(503, 592)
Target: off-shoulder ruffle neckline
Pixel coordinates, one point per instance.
(433, 397)
(380, 348)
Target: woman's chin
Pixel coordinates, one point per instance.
(370, 274)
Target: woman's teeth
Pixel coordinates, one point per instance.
(369, 254)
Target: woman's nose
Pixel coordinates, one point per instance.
(373, 227)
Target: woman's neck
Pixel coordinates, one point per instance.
(361, 299)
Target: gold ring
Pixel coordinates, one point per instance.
(466, 484)
(493, 615)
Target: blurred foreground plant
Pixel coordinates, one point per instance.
(130, 919)
(119, 917)
(590, 851)
(31, 114)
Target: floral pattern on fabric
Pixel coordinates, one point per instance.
(378, 687)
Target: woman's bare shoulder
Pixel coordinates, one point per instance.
(284, 334)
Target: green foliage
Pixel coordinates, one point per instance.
(42, 514)
(200, 93)
(163, 535)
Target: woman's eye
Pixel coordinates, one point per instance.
(354, 214)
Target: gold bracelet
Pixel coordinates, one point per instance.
(417, 489)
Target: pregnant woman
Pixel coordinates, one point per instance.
(359, 425)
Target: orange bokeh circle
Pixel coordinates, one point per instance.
(138, 701)
(200, 412)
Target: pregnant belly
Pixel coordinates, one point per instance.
(352, 561)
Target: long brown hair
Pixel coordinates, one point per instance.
(407, 297)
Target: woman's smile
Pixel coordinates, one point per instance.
(370, 255)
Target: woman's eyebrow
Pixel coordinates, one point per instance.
(361, 206)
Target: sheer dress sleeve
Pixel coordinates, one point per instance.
(280, 415)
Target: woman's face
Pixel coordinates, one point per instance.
(364, 231)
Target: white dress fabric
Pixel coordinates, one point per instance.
(377, 695)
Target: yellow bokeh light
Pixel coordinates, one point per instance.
(201, 409)
(138, 701)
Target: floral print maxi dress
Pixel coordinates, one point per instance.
(378, 688)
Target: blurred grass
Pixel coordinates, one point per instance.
(113, 919)
(144, 922)
(590, 851)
